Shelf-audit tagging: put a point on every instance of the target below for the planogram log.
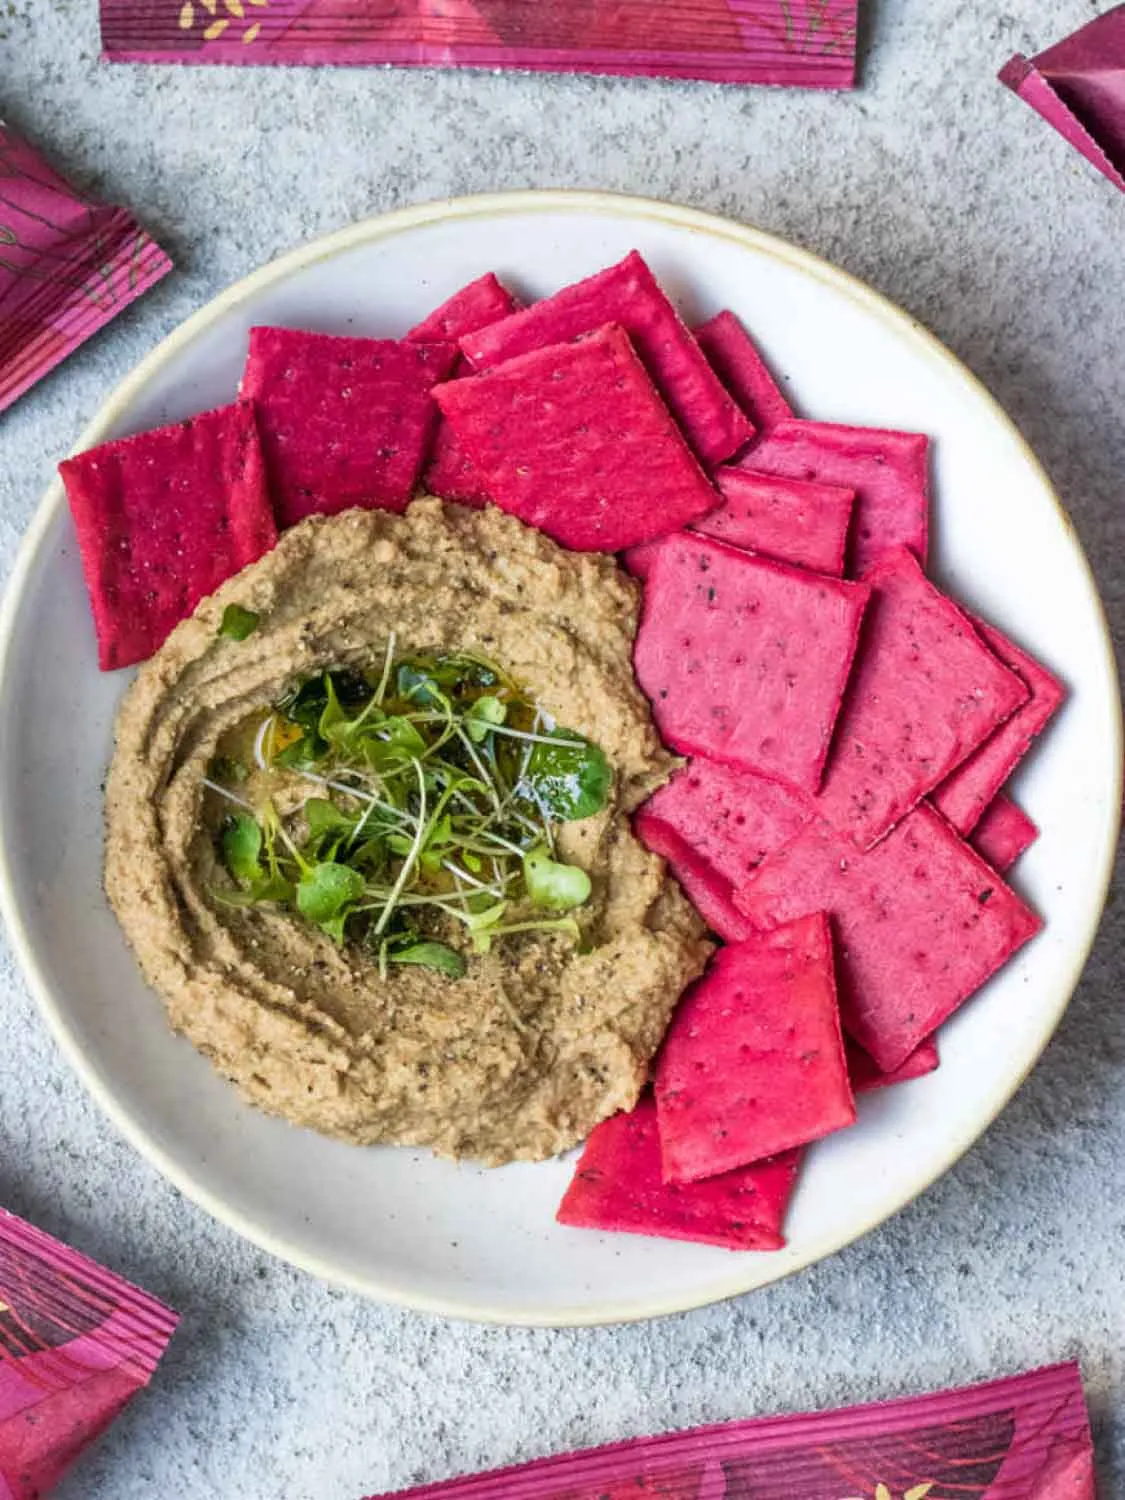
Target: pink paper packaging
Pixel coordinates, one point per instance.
(76, 1344)
(67, 266)
(1024, 1438)
(801, 43)
(1078, 86)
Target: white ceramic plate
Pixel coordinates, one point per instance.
(394, 1224)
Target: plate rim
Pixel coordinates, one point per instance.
(327, 246)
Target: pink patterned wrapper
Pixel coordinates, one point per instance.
(1078, 86)
(76, 1344)
(800, 43)
(1025, 1438)
(67, 266)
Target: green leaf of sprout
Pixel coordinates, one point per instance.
(484, 713)
(431, 955)
(552, 885)
(307, 702)
(238, 624)
(325, 892)
(418, 685)
(568, 781)
(486, 916)
(333, 720)
(335, 927)
(324, 819)
(403, 735)
(302, 754)
(242, 848)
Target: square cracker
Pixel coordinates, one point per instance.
(617, 1186)
(710, 893)
(965, 795)
(344, 421)
(162, 519)
(732, 818)
(745, 661)
(738, 362)
(628, 295)
(1003, 833)
(920, 921)
(575, 440)
(485, 300)
(450, 472)
(925, 693)
(787, 520)
(889, 472)
(790, 520)
(866, 1076)
(753, 1063)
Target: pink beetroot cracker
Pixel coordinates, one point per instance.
(866, 1076)
(920, 923)
(617, 1186)
(710, 893)
(743, 660)
(485, 300)
(738, 363)
(638, 560)
(789, 520)
(889, 472)
(628, 295)
(1003, 833)
(162, 519)
(785, 519)
(344, 421)
(753, 1062)
(925, 693)
(574, 439)
(731, 818)
(451, 473)
(964, 796)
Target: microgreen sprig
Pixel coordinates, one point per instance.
(436, 787)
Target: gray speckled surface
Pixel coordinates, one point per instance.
(937, 186)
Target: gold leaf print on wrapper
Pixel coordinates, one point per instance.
(219, 18)
(882, 1492)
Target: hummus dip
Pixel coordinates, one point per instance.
(542, 1037)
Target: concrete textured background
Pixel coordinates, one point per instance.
(937, 186)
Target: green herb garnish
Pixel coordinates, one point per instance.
(242, 849)
(568, 776)
(430, 955)
(237, 623)
(556, 886)
(435, 793)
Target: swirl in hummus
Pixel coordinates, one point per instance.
(541, 1037)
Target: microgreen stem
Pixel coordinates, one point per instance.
(262, 756)
(556, 741)
(225, 791)
(471, 750)
(385, 677)
(411, 859)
